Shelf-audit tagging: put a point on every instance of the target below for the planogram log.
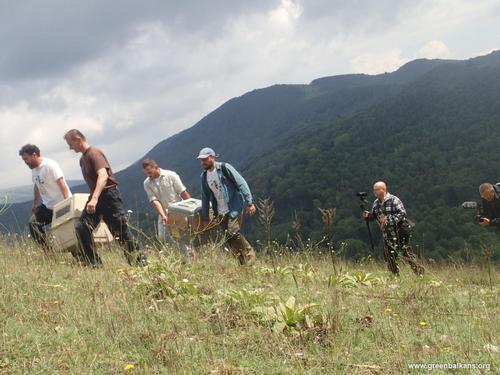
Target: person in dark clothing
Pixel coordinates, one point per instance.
(490, 196)
(105, 201)
(389, 212)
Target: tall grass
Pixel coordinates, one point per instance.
(212, 316)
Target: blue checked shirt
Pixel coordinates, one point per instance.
(391, 208)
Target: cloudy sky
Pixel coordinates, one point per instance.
(131, 73)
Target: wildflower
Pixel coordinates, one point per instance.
(423, 324)
(491, 348)
(436, 283)
(128, 367)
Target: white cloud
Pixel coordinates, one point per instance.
(169, 68)
(378, 62)
(285, 14)
(434, 49)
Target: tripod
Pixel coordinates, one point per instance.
(362, 202)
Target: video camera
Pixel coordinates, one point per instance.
(362, 195)
(474, 206)
(362, 199)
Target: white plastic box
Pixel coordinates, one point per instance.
(65, 216)
(185, 214)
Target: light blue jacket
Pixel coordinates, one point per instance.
(235, 188)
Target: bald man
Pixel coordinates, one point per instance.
(490, 195)
(390, 214)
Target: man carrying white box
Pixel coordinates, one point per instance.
(49, 189)
(104, 202)
(164, 187)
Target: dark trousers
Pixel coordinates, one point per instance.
(239, 245)
(397, 243)
(110, 208)
(43, 217)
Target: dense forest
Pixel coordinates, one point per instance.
(434, 144)
(430, 129)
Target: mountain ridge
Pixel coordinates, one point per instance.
(250, 128)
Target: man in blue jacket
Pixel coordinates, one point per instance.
(229, 194)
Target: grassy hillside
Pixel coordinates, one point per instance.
(213, 317)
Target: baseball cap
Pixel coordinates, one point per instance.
(206, 152)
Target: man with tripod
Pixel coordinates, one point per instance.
(389, 212)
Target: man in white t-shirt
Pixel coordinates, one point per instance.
(164, 187)
(49, 188)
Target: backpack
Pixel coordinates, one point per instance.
(225, 172)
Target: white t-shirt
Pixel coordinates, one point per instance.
(45, 177)
(166, 189)
(214, 184)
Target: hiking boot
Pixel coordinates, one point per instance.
(250, 257)
(141, 260)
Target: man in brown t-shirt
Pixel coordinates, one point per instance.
(105, 201)
(93, 160)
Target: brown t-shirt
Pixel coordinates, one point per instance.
(91, 161)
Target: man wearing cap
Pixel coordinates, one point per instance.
(229, 194)
(164, 187)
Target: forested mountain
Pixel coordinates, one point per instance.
(245, 127)
(434, 144)
(431, 129)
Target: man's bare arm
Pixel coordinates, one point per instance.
(102, 179)
(36, 198)
(63, 187)
(161, 211)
